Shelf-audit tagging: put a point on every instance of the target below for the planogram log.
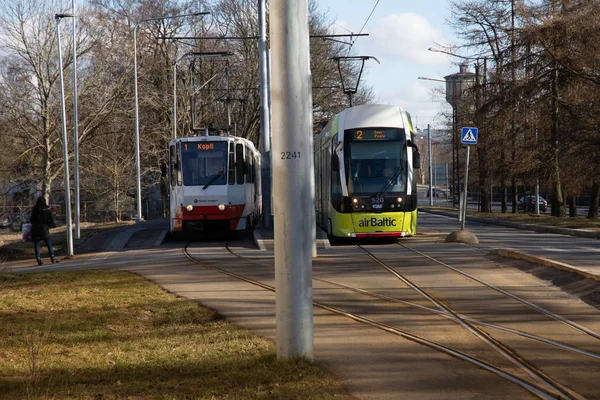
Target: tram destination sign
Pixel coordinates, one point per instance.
(199, 146)
(368, 134)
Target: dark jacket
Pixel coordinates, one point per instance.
(41, 222)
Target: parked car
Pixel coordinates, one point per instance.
(439, 193)
(527, 203)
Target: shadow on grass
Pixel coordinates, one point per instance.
(112, 334)
(251, 377)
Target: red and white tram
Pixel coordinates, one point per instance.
(214, 184)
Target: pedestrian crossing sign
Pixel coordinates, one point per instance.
(469, 135)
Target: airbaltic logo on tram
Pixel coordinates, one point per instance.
(363, 223)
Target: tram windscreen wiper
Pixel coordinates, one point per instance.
(214, 178)
(389, 183)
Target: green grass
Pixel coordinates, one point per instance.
(114, 335)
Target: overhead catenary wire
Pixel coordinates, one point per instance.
(367, 20)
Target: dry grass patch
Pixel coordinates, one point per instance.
(114, 335)
(579, 222)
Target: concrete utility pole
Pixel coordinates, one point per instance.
(294, 211)
(465, 191)
(265, 116)
(430, 171)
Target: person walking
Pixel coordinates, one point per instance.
(41, 222)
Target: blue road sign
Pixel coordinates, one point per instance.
(469, 135)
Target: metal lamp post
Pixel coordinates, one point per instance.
(456, 84)
(265, 116)
(137, 117)
(429, 144)
(75, 132)
(57, 18)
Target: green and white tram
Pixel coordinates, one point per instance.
(365, 178)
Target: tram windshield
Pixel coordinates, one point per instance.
(204, 163)
(375, 161)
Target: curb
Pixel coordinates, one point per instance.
(161, 238)
(509, 253)
(260, 242)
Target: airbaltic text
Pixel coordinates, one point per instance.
(376, 222)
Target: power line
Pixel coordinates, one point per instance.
(369, 17)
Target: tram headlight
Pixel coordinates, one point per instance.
(221, 207)
(189, 207)
(362, 206)
(355, 200)
(399, 199)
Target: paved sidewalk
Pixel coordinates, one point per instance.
(573, 250)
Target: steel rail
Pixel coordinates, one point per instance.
(517, 332)
(491, 341)
(536, 389)
(511, 295)
(562, 346)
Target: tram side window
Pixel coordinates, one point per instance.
(231, 164)
(173, 165)
(248, 163)
(178, 164)
(336, 184)
(239, 163)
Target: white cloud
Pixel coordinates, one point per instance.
(406, 36)
(420, 92)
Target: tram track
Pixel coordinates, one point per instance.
(499, 347)
(507, 293)
(543, 386)
(443, 312)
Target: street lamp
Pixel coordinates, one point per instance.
(57, 18)
(137, 117)
(430, 79)
(436, 50)
(456, 84)
(429, 144)
(75, 132)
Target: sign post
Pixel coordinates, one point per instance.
(468, 137)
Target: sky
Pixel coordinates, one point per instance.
(400, 33)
